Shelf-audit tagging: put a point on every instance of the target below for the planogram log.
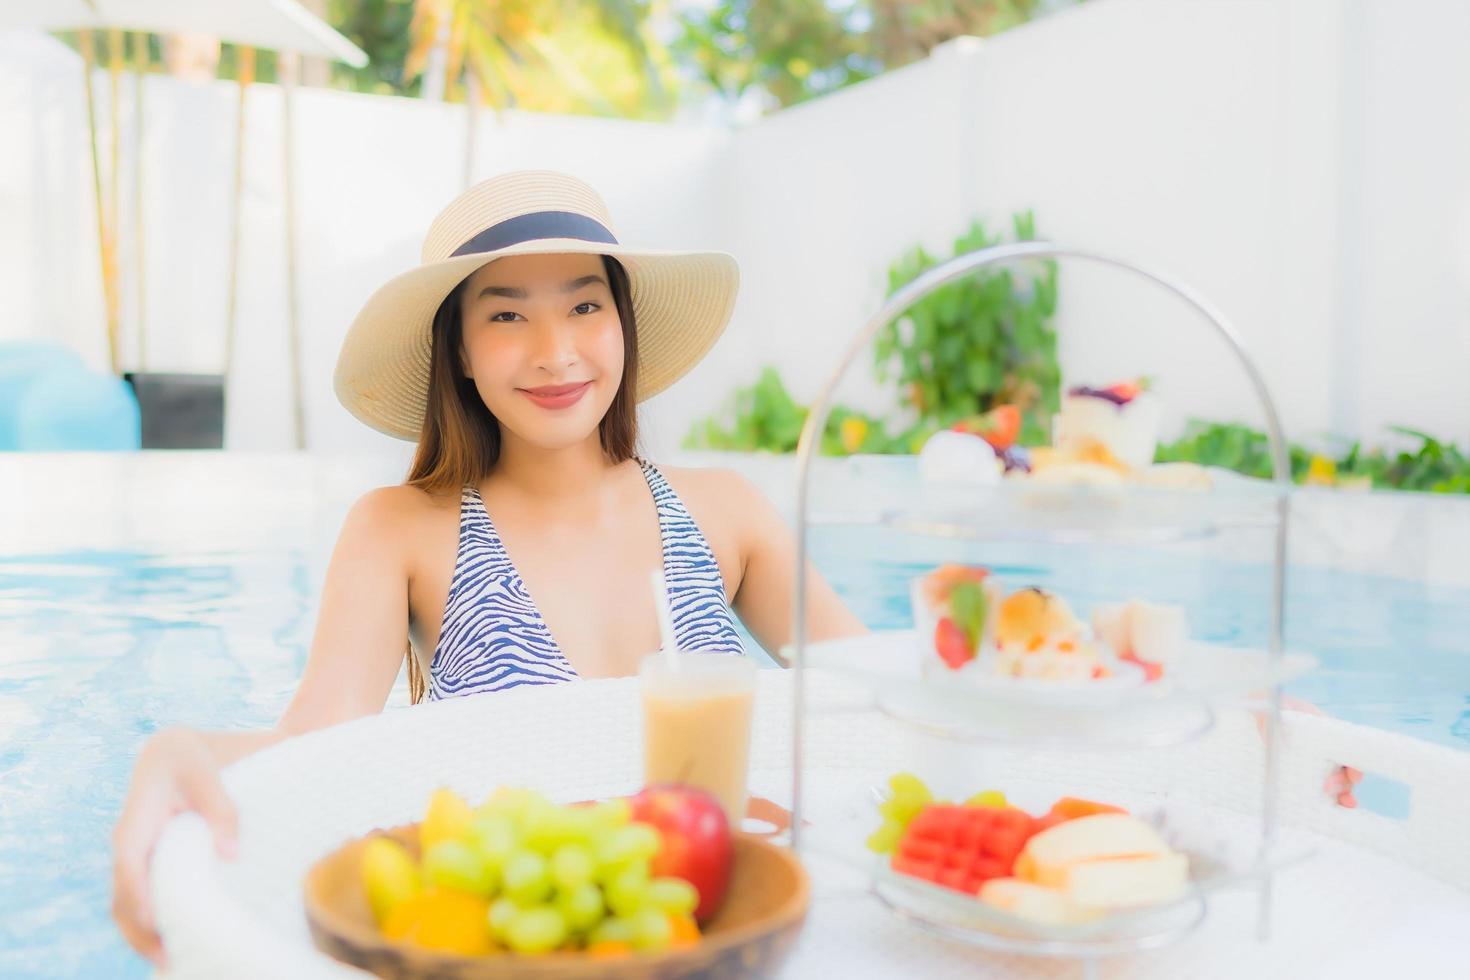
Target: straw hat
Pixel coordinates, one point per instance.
(681, 300)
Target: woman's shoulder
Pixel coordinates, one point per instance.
(401, 510)
(723, 495)
(717, 486)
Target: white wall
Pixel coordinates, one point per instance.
(1304, 163)
(1406, 287)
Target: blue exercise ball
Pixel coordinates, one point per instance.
(66, 408)
(21, 361)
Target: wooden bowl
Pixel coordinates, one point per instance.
(763, 911)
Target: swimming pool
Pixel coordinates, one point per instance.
(144, 592)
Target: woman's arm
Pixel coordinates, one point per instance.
(361, 632)
(768, 577)
(362, 626)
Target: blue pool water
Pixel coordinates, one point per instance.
(100, 649)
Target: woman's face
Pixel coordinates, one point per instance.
(544, 345)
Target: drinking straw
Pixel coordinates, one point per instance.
(665, 617)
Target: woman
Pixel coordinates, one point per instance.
(515, 354)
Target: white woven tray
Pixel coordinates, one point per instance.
(1379, 895)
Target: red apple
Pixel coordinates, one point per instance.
(696, 840)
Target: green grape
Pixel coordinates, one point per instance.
(905, 785)
(535, 819)
(907, 796)
(627, 892)
(581, 906)
(455, 864)
(571, 867)
(673, 895)
(494, 836)
(511, 802)
(613, 929)
(652, 930)
(902, 810)
(502, 911)
(644, 840)
(625, 846)
(611, 814)
(536, 930)
(557, 827)
(987, 797)
(884, 840)
(609, 857)
(526, 878)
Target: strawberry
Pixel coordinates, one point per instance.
(1151, 671)
(1003, 427)
(1125, 391)
(952, 645)
(1000, 426)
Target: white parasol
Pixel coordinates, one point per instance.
(277, 25)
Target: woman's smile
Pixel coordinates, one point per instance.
(557, 396)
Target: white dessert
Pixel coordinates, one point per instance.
(1074, 474)
(958, 459)
(1129, 432)
(1175, 476)
(1037, 636)
(1146, 632)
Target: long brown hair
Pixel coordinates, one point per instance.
(460, 440)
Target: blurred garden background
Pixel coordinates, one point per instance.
(1300, 162)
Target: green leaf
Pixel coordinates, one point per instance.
(967, 605)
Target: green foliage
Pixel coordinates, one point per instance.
(796, 50)
(381, 29)
(1430, 466)
(982, 341)
(1229, 446)
(767, 418)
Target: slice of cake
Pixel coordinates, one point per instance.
(1037, 636)
(1149, 634)
(1122, 418)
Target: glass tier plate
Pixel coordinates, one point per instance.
(1025, 509)
(974, 707)
(1222, 855)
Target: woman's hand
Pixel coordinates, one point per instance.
(177, 771)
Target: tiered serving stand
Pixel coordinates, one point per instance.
(958, 726)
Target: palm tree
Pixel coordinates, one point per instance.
(542, 55)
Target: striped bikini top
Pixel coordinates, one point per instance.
(493, 637)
